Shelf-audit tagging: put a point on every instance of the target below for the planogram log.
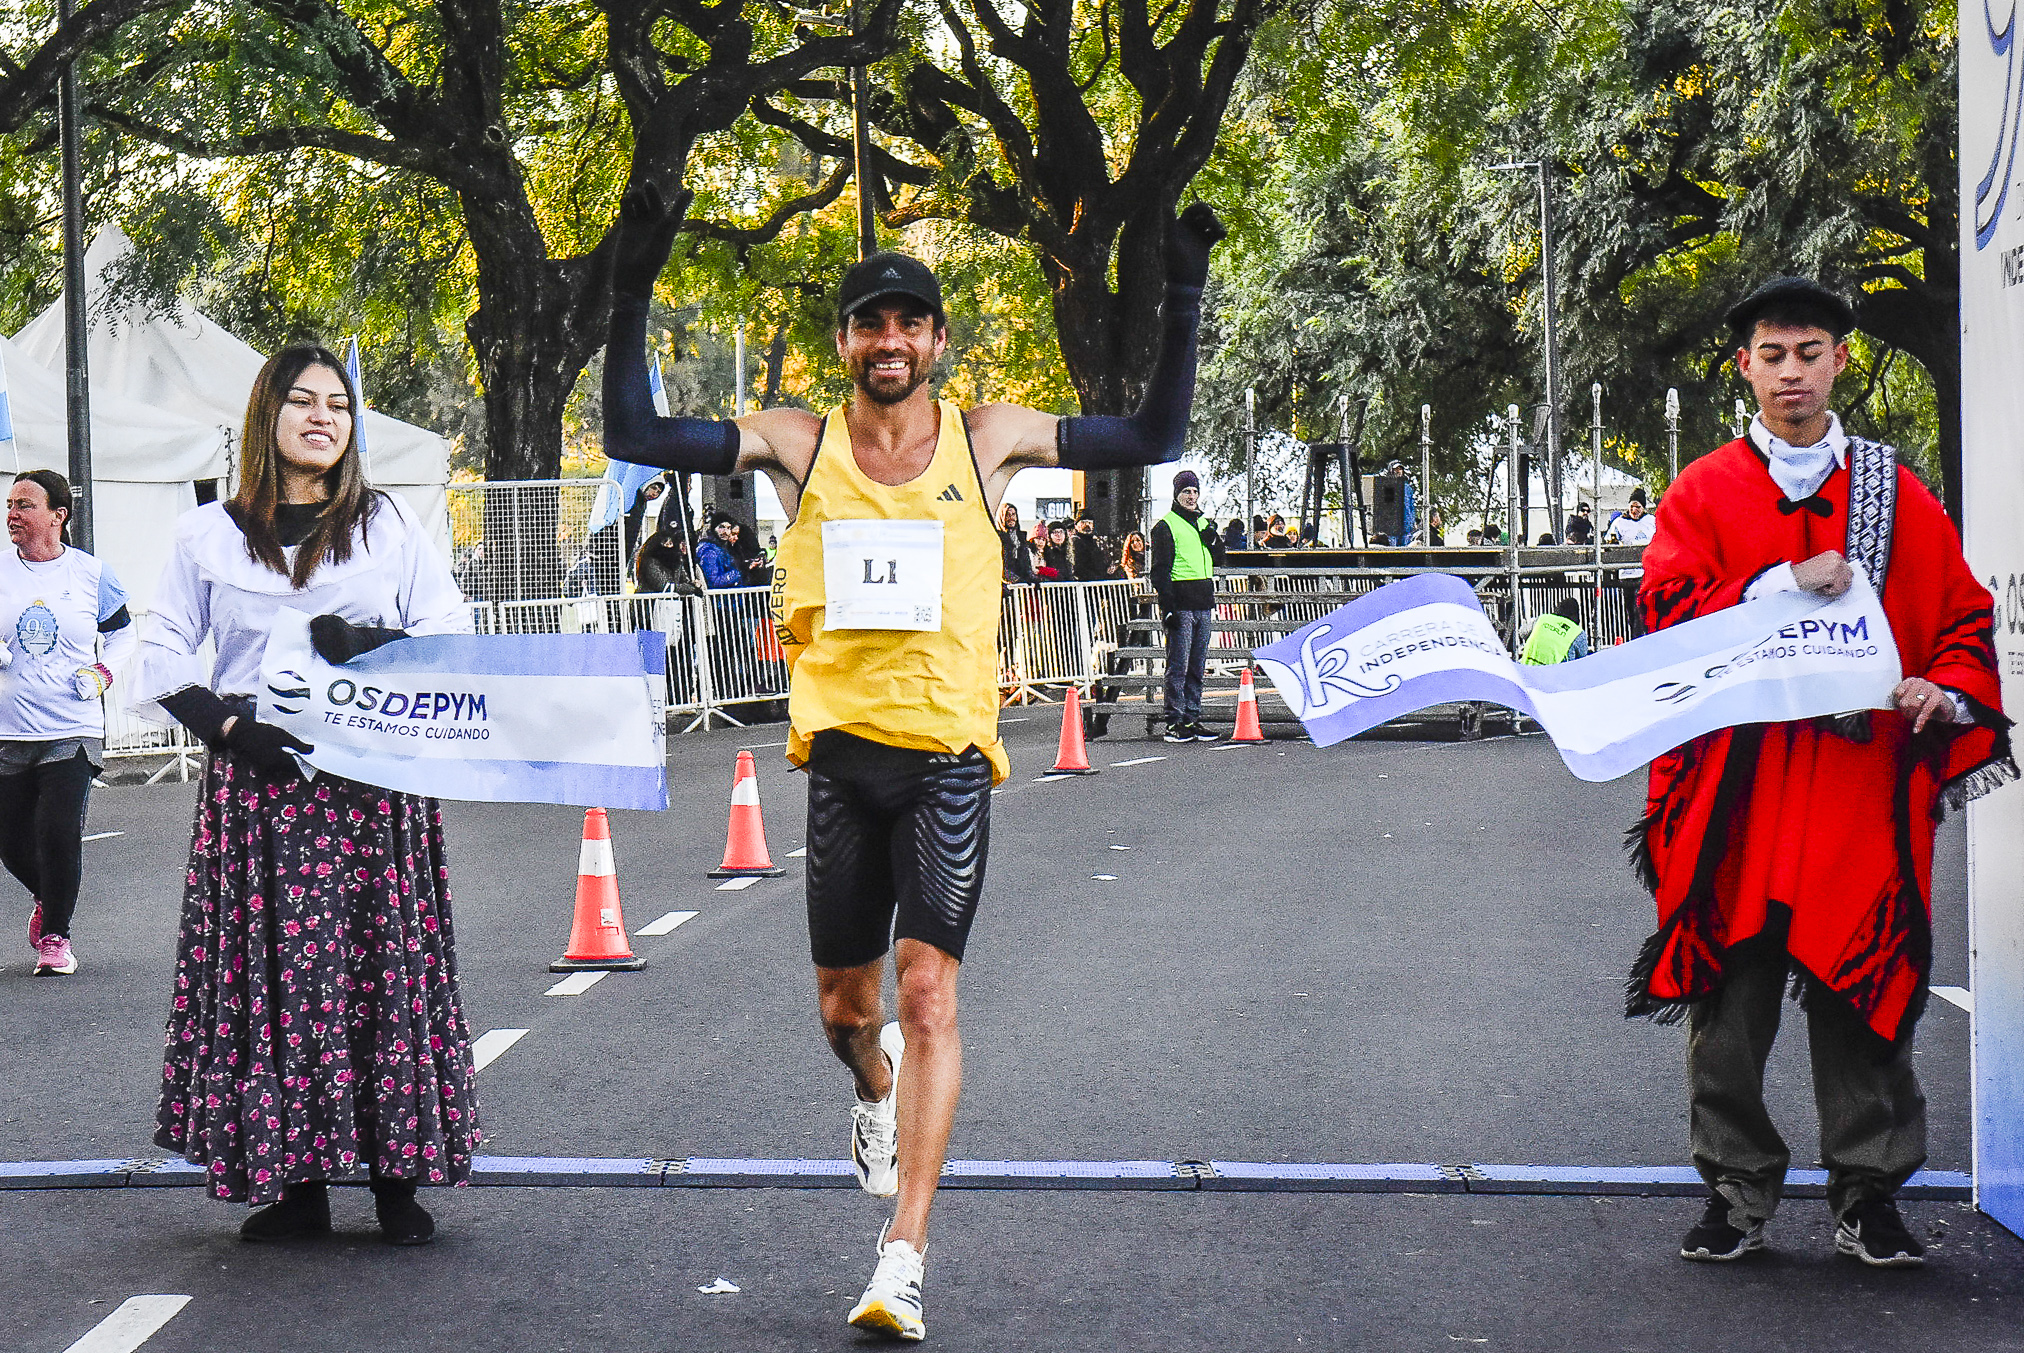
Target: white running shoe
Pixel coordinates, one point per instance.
(875, 1128)
(892, 1303)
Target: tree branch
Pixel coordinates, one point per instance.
(24, 86)
(830, 189)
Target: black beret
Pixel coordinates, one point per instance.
(1791, 293)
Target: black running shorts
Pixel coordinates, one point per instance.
(896, 847)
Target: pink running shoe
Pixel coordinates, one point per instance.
(35, 927)
(57, 960)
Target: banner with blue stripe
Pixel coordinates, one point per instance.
(1426, 641)
(501, 718)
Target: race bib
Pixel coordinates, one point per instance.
(882, 575)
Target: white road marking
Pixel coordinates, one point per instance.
(1138, 762)
(491, 1043)
(577, 983)
(736, 885)
(1049, 779)
(801, 852)
(1107, 878)
(1960, 996)
(1228, 745)
(667, 923)
(101, 836)
(130, 1326)
(1023, 718)
(761, 746)
(1120, 847)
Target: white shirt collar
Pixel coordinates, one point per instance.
(1799, 471)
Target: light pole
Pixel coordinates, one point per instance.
(1427, 474)
(1672, 436)
(1550, 327)
(1250, 460)
(76, 318)
(860, 130)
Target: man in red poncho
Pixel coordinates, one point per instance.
(1804, 850)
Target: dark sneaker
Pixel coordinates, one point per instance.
(1179, 732)
(1714, 1241)
(1202, 734)
(1876, 1234)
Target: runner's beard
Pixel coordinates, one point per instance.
(885, 390)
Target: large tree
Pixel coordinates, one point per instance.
(1692, 151)
(480, 96)
(1076, 128)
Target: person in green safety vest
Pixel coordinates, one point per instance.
(1186, 550)
(1556, 637)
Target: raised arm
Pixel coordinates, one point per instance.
(633, 432)
(1157, 430)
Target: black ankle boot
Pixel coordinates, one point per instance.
(304, 1209)
(403, 1221)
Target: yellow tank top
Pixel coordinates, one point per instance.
(932, 690)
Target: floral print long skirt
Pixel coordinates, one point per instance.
(316, 1028)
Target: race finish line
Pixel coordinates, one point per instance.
(1170, 1176)
(1425, 641)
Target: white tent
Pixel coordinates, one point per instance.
(142, 459)
(186, 364)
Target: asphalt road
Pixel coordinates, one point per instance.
(1378, 952)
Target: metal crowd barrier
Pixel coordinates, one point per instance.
(724, 663)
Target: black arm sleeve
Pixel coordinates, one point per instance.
(199, 709)
(1158, 431)
(632, 430)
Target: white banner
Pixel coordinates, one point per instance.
(1992, 456)
(523, 718)
(1425, 641)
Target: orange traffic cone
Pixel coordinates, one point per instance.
(1247, 712)
(597, 936)
(1073, 758)
(745, 847)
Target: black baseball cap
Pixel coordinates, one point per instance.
(888, 274)
(1793, 299)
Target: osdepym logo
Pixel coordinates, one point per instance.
(299, 692)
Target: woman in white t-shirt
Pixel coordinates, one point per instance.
(316, 1025)
(59, 607)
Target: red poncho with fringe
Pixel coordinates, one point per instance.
(1802, 816)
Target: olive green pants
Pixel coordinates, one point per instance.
(1872, 1112)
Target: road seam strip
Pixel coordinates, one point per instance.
(1182, 1175)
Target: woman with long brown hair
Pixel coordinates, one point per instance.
(315, 1024)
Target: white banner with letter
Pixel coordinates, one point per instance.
(506, 718)
(882, 574)
(1425, 641)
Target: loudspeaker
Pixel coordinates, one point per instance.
(1388, 506)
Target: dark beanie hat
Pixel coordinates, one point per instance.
(1187, 479)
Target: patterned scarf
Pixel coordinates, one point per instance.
(1872, 506)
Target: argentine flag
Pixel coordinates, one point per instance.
(358, 414)
(622, 479)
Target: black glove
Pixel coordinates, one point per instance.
(1193, 233)
(337, 640)
(647, 226)
(1170, 618)
(263, 745)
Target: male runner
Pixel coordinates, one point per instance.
(886, 598)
